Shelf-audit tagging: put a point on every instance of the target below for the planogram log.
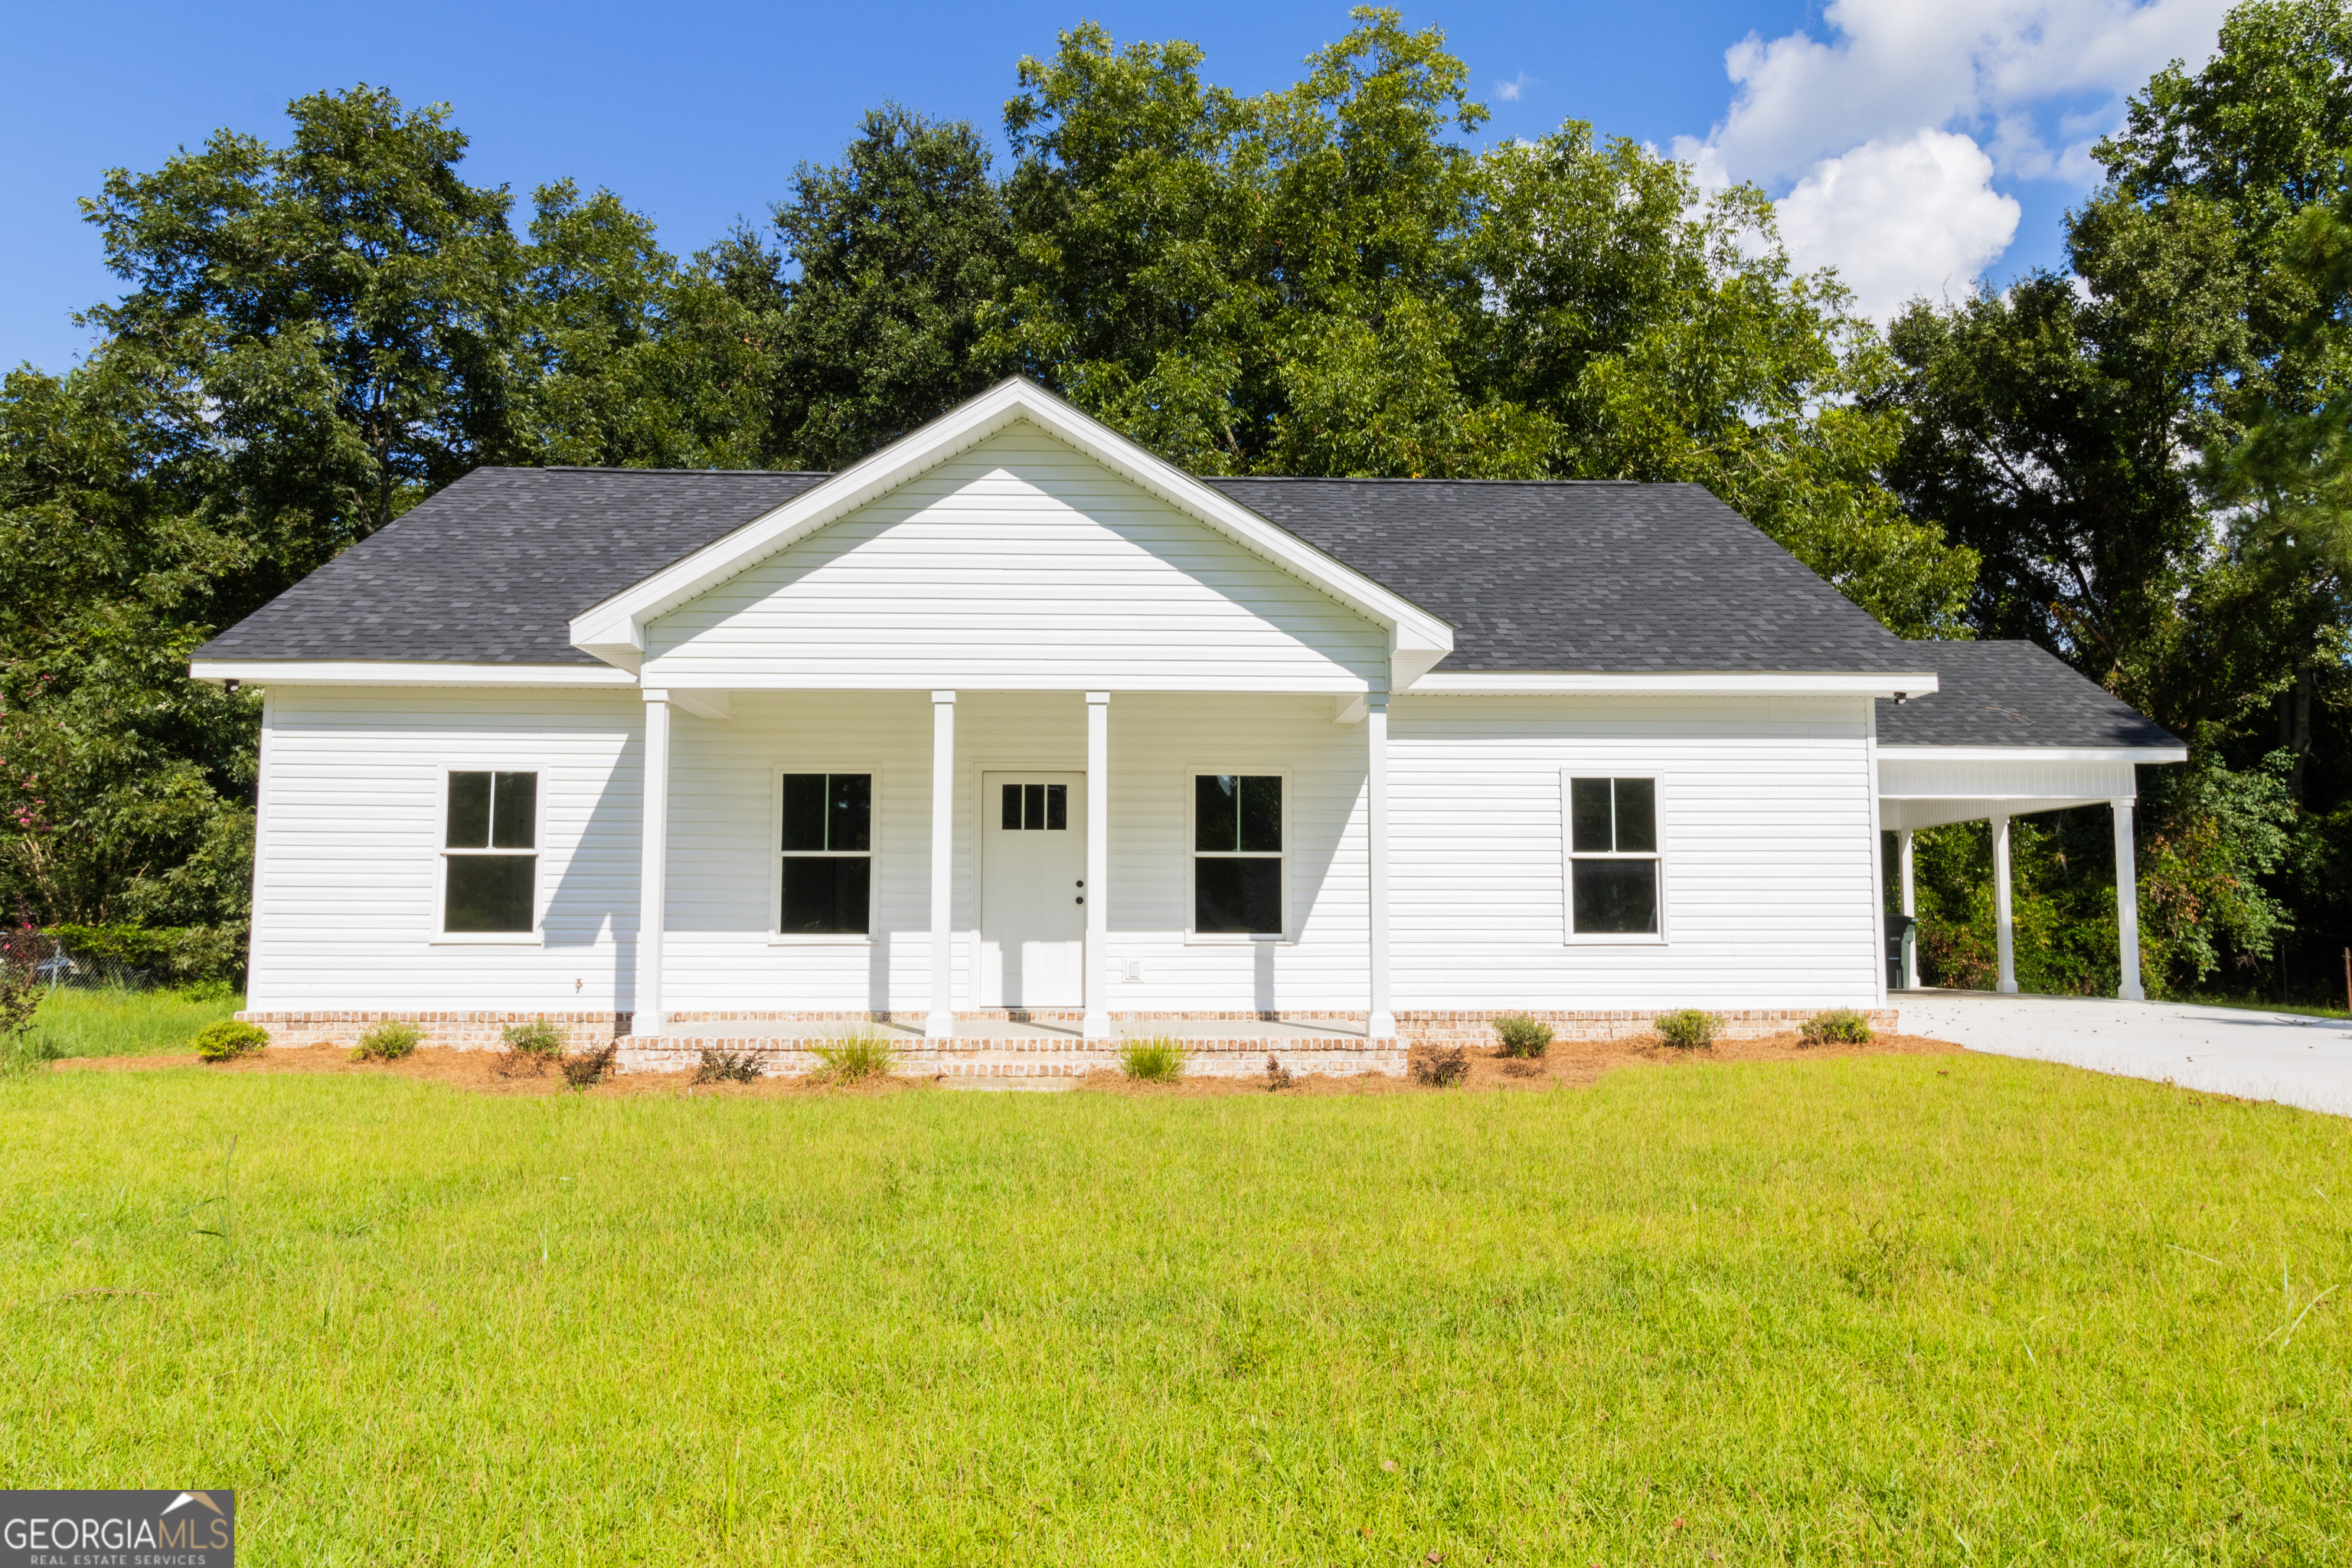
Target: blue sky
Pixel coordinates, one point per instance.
(1917, 142)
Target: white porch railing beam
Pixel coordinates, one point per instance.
(939, 1022)
(2004, 927)
(1382, 1022)
(1096, 1025)
(653, 838)
(2128, 904)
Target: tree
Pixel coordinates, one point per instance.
(332, 319)
(898, 249)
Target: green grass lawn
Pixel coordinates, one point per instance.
(1958, 1309)
(106, 1022)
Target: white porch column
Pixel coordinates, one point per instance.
(1381, 1025)
(1903, 859)
(939, 1022)
(2128, 904)
(1096, 1025)
(2004, 933)
(653, 881)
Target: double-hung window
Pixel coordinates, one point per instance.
(828, 855)
(1238, 854)
(490, 854)
(1612, 825)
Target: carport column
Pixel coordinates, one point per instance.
(1381, 1025)
(2128, 904)
(1096, 1025)
(653, 839)
(2004, 933)
(940, 1024)
(1910, 906)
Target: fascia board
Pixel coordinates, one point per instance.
(1914, 754)
(1673, 683)
(618, 624)
(398, 672)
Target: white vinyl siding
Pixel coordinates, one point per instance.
(1765, 811)
(1018, 564)
(349, 878)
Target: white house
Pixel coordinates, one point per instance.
(1014, 738)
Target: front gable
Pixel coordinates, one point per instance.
(1014, 542)
(1019, 562)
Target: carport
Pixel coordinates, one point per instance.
(2012, 732)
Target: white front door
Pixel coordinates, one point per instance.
(1032, 895)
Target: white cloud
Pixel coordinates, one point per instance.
(1508, 91)
(1900, 219)
(1841, 113)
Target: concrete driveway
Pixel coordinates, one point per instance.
(2258, 1056)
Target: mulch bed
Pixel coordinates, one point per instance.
(1568, 1062)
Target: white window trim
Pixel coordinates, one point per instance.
(1286, 937)
(441, 935)
(777, 935)
(1569, 935)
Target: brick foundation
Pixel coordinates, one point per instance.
(780, 1041)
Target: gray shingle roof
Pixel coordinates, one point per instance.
(2010, 694)
(491, 569)
(1533, 576)
(1604, 576)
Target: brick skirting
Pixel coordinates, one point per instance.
(781, 1049)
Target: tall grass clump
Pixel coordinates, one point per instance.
(388, 1041)
(1158, 1059)
(1687, 1029)
(116, 1021)
(853, 1058)
(1523, 1036)
(1839, 1026)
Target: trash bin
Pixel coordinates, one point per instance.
(1900, 931)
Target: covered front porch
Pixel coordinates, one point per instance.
(1030, 871)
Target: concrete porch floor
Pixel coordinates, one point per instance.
(979, 1030)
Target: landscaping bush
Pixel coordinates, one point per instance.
(727, 1067)
(1523, 1036)
(230, 1039)
(1441, 1069)
(1276, 1075)
(1839, 1026)
(388, 1041)
(856, 1058)
(537, 1039)
(1687, 1029)
(530, 1047)
(1156, 1060)
(586, 1069)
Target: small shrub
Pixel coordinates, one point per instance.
(853, 1058)
(1441, 1069)
(1276, 1075)
(228, 1039)
(586, 1069)
(388, 1041)
(1688, 1029)
(1839, 1026)
(1156, 1060)
(727, 1067)
(537, 1039)
(1523, 1036)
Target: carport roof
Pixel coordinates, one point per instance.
(2013, 695)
